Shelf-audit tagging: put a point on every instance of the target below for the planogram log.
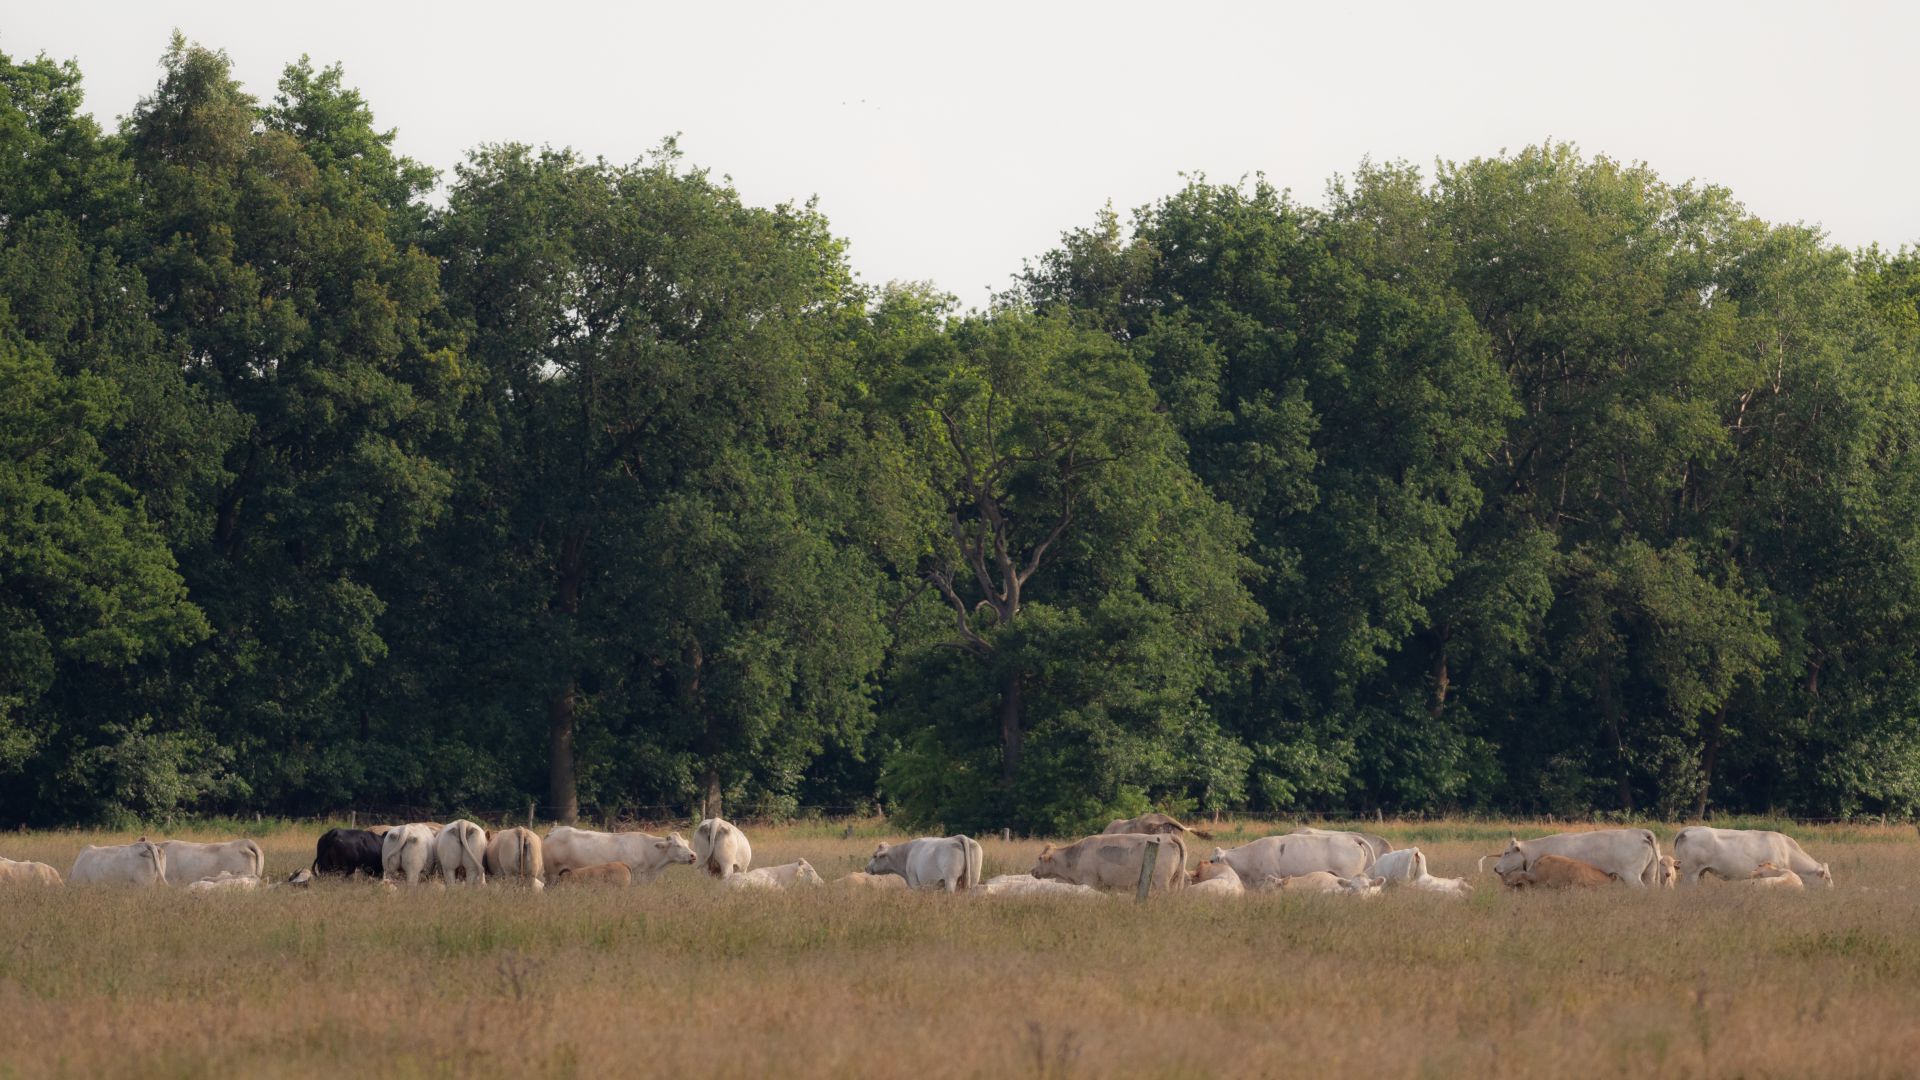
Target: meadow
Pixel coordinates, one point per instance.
(686, 977)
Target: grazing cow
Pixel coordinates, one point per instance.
(142, 862)
(1633, 854)
(27, 873)
(515, 855)
(461, 851)
(644, 854)
(1769, 876)
(1734, 854)
(931, 862)
(1153, 825)
(1028, 885)
(348, 852)
(1113, 861)
(225, 881)
(776, 877)
(1378, 845)
(860, 879)
(1559, 872)
(1216, 879)
(617, 874)
(1403, 866)
(1669, 872)
(721, 849)
(188, 862)
(1296, 854)
(407, 852)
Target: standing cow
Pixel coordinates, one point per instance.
(645, 855)
(1342, 855)
(1114, 861)
(461, 851)
(188, 862)
(347, 852)
(142, 862)
(1736, 853)
(1633, 854)
(515, 855)
(931, 862)
(721, 849)
(406, 852)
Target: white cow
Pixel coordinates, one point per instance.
(568, 848)
(27, 873)
(721, 849)
(1216, 879)
(461, 851)
(1379, 845)
(188, 862)
(225, 881)
(1028, 885)
(1633, 854)
(1408, 866)
(1736, 853)
(931, 862)
(142, 862)
(1296, 854)
(776, 877)
(407, 852)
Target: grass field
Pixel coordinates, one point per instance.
(684, 977)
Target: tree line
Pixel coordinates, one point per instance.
(1533, 484)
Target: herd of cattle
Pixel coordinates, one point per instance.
(1151, 847)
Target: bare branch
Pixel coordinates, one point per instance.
(970, 641)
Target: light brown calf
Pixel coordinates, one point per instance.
(1769, 876)
(612, 873)
(1560, 872)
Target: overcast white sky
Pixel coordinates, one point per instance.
(950, 141)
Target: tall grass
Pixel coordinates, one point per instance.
(684, 977)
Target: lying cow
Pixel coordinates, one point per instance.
(225, 881)
(1155, 824)
(1769, 876)
(614, 873)
(1735, 854)
(860, 879)
(776, 877)
(1408, 866)
(931, 862)
(1216, 879)
(721, 849)
(142, 862)
(515, 855)
(1296, 854)
(1632, 854)
(1378, 845)
(644, 854)
(27, 873)
(1028, 885)
(188, 862)
(1114, 861)
(461, 851)
(407, 853)
(347, 852)
(1559, 872)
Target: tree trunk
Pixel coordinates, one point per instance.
(1440, 674)
(1011, 707)
(710, 803)
(1610, 708)
(1709, 748)
(563, 792)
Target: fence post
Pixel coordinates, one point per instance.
(529, 813)
(353, 819)
(1006, 835)
(1148, 858)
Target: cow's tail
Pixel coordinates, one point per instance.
(1201, 833)
(974, 860)
(1650, 873)
(1419, 861)
(259, 859)
(1179, 879)
(526, 854)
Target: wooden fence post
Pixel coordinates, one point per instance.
(1006, 835)
(529, 813)
(353, 819)
(1148, 857)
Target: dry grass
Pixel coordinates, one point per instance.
(684, 977)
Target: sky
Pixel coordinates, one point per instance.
(951, 142)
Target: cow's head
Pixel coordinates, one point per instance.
(1824, 875)
(675, 848)
(878, 864)
(807, 875)
(1511, 860)
(1043, 867)
(1669, 871)
(1213, 868)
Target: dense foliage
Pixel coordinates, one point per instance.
(1538, 484)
